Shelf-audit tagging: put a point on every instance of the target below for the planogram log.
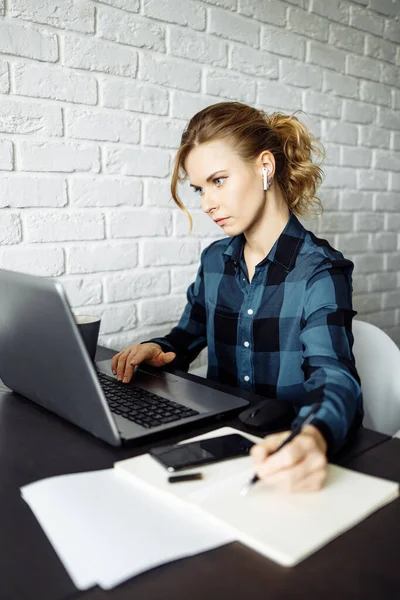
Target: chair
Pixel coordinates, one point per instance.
(378, 365)
(199, 371)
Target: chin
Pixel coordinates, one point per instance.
(232, 229)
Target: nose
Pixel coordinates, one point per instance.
(207, 202)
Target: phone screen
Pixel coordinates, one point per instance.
(183, 456)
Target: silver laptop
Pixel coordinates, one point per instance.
(43, 357)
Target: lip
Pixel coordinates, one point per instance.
(221, 222)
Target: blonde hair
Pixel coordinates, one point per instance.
(251, 131)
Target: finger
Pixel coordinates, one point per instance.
(161, 359)
(137, 355)
(292, 478)
(268, 445)
(129, 370)
(313, 482)
(291, 454)
(310, 483)
(169, 357)
(114, 363)
(121, 364)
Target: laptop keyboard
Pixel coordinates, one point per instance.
(140, 406)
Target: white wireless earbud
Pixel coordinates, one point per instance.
(265, 178)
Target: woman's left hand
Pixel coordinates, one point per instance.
(300, 466)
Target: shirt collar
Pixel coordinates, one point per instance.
(283, 253)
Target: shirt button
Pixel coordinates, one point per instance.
(246, 378)
(250, 311)
(247, 344)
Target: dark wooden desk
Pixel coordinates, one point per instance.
(35, 444)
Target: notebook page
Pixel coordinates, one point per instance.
(289, 527)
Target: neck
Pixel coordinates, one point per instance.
(261, 236)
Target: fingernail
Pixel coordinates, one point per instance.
(119, 378)
(125, 379)
(114, 372)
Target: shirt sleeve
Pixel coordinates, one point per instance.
(329, 367)
(189, 337)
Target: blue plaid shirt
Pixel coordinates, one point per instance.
(285, 335)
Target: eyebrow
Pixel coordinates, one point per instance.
(209, 177)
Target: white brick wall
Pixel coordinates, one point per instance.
(32, 191)
(4, 78)
(55, 83)
(27, 118)
(57, 156)
(105, 191)
(94, 95)
(78, 16)
(6, 155)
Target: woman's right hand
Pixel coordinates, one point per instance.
(123, 364)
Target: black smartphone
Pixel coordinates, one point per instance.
(193, 454)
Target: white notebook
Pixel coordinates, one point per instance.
(284, 527)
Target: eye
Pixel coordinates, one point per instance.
(219, 181)
(198, 190)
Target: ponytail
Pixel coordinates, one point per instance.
(300, 177)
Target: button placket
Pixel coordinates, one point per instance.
(245, 370)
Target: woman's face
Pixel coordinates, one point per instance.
(231, 190)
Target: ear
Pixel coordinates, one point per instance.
(267, 160)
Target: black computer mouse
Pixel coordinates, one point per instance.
(268, 415)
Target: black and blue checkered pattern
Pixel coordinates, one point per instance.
(285, 335)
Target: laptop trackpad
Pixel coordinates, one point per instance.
(104, 366)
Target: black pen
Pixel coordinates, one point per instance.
(296, 430)
(185, 477)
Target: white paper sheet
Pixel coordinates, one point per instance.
(106, 530)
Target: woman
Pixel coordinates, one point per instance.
(271, 301)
